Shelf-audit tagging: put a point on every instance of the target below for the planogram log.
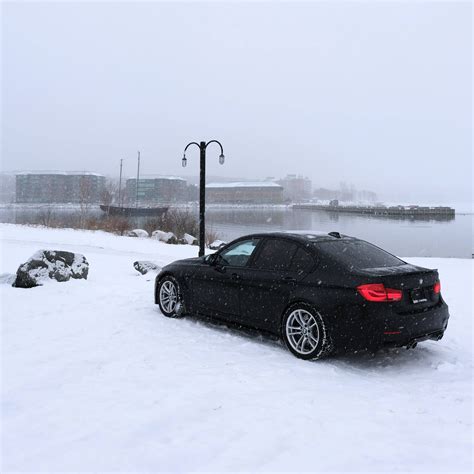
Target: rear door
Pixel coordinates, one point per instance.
(269, 281)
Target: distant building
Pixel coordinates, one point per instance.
(326, 194)
(296, 188)
(59, 187)
(7, 187)
(344, 194)
(192, 192)
(260, 192)
(152, 189)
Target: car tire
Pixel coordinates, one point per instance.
(305, 332)
(169, 297)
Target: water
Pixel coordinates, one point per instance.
(404, 237)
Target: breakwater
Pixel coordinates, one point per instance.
(421, 212)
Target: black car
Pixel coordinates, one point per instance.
(320, 293)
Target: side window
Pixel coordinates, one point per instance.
(238, 254)
(302, 262)
(275, 255)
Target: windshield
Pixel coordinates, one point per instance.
(358, 254)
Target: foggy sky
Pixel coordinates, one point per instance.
(374, 94)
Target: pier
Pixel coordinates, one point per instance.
(409, 212)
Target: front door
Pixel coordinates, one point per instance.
(216, 287)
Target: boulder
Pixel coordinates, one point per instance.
(167, 237)
(188, 239)
(141, 233)
(217, 244)
(144, 266)
(47, 265)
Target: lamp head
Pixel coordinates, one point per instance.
(184, 161)
(221, 158)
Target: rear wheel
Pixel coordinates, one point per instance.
(169, 297)
(305, 333)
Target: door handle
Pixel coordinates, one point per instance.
(290, 280)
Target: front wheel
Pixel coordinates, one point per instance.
(169, 297)
(305, 333)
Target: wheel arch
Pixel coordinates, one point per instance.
(182, 284)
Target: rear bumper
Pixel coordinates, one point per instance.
(377, 325)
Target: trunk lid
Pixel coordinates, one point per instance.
(416, 283)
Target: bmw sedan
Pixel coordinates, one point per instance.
(319, 292)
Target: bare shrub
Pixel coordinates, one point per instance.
(45, 217)
(176, 221)
(118, 224)
(85, 198)
(115, 224)
(154, 223)
(211, 236)
(109, 192)
(184, 222)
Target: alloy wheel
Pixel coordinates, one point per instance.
(168, 296)
(302, 331)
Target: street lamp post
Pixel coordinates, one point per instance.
(202, 186)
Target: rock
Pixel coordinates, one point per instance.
(167, 237)
(138, 233)
(217, 244)
(188, 239)
(51, 265)
(144, 266)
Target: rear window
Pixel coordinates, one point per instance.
(275, 255)
(358, 254)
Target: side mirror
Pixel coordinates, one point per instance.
(211, 259)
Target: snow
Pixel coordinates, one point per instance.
(94, 378)
(144, 177)
(189, 239)
(140, 233)
(245, 184)
(217, 244)
(162, 236)
(58, 172)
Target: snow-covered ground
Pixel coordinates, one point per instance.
(94, 378)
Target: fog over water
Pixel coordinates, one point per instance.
(376, 94)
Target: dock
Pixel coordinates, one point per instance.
(408, 212)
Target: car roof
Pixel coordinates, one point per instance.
(302, 236)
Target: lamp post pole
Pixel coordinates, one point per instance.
(202, 186)
(202, 197)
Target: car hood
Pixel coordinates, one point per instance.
(186, 262)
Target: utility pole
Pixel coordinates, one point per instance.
(138, 179)
(120, 185)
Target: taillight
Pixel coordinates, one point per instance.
(437, 288)
(378, 292)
